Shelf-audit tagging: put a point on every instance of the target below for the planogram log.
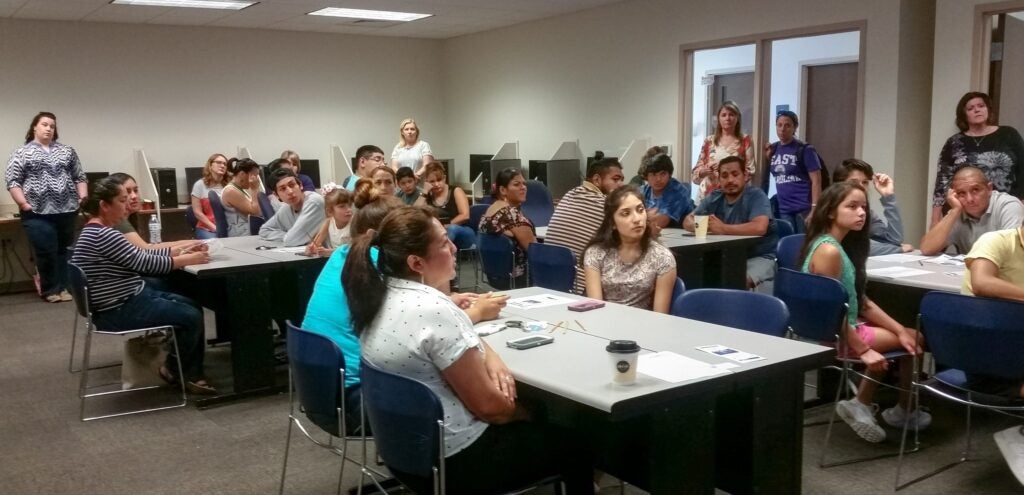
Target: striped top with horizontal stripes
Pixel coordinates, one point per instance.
(575, 222)
(113, 266)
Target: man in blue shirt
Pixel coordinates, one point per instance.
(740, 209)
(667, 200)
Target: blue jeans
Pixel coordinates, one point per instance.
(796, 220)
(205, 234)
(50, 237)
(463, 237)
(151, 308)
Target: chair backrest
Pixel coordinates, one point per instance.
(79, 286)
(404, 416)
(677, 293)
(741, 309)
(974, 334)
(476, 212)
(783, 228)
(787, 251)
(496, 253)
(315, 363)
(538, 206)
(219, 217)
(266, 207)
(552, 267)
(817, 304)
(190, 217)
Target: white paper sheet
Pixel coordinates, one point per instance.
(897, 272)
(300, 249)
(730, 353)
(900, 258)
(946, 259)
(674, 368)
(537, 301)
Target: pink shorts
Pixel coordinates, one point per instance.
(866, 333)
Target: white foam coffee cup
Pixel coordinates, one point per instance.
(700, 226)
(623, 355)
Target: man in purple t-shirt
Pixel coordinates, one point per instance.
(797, 172)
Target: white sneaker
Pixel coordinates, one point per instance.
(861, 418)
(895, 416)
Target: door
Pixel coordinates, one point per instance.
(738, 87)
(830, 118)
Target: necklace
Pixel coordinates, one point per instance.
(977, 140)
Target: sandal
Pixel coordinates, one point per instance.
(200, 387)
(167, 376)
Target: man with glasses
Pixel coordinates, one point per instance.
(368, 158)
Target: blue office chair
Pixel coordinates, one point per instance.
(316, 368)
(190, 218)
(476, 212)
(219, 217)
(266, 210)
(741, 309)
(677, 293)
(969, 335)
(79, 286)
(407, 421)
(498, 259)
(552, 267)
(538, 206)
(787, 253)
(817, 313)
(783, 228)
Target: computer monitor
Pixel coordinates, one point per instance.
(538, 170)
(192, 174)
(311, 168)
(479, 164)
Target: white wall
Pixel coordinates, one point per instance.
(788, 58)
(714, 61)
(182, 93)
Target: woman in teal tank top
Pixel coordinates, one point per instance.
(837, 246)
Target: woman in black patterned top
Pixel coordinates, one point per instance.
(46, 180)
(982, 142)
(119, 297)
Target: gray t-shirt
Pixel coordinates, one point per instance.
(1004, 212)
(633, 283)
(296, 228)
(418, 333)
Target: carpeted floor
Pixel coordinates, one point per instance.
(238, 448)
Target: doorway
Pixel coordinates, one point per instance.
(830, 108)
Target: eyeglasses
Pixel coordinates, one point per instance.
(377, 159)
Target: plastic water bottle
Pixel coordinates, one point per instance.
(154, 229)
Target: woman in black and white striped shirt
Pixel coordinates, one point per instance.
(119, 297)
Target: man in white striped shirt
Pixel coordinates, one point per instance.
(580, 212)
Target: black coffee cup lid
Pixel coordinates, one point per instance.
(622, 346)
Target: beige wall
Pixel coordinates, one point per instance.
(611, 74)
(182, 93)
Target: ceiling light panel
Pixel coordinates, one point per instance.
(195, 4)
(376, 15)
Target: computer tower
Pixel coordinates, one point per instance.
(92, 177)
(192, 175)
(166, 182)
(311, 168)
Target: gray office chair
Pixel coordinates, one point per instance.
(80, 292)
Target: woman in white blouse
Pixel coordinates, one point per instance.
(411, 151)
(409, 326)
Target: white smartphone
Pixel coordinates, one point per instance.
(530, 341)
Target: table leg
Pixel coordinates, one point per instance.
(733, 267)
(247, 314)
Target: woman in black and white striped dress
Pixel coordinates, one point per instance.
(120, 298)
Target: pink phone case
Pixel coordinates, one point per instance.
(585, 305)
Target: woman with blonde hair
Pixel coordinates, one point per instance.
(411, 151)
(215, 177)
(728, 140)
